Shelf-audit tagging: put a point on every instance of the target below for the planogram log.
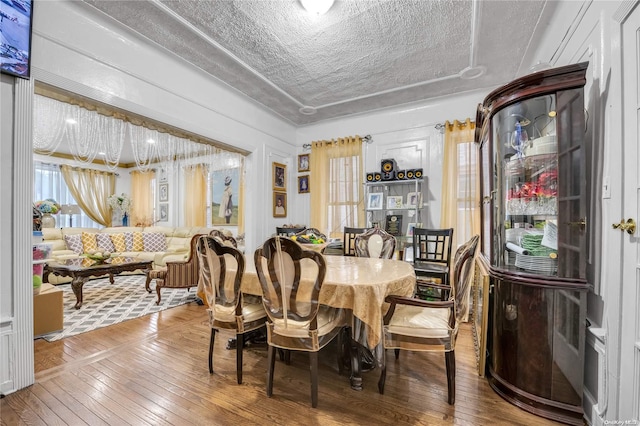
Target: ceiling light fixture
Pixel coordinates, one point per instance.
(317, 7)
(151, 141)
(71, 121)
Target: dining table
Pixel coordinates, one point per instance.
(359, 284)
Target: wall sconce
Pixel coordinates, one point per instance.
(70, 209)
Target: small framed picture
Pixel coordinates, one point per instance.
(394, 202)
(279, 204)
(162, 174)
(303, 184)
(410, 227)
(414, 199)
(374, 202)
(164, 192)
(163, 212)
(303, 162)
(279, 177)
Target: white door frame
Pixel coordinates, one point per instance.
(629, 402)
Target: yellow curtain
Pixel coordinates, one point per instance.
(460, 181)
(90, 188)
(336, 184)
(142, 197)
(195, 190)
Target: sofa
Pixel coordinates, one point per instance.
(159, 244)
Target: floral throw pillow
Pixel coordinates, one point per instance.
(74, 243)
(154, 241)
(105, 243)
(138, 243)
(119, 242)
(89, 241)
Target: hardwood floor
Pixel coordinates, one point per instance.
(153, 370)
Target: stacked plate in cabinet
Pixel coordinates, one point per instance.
(540, 259)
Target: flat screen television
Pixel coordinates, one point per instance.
(16, 18)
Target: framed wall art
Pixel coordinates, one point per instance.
(225, 196)
(303, 184)
(279, 177)
(279, 204)
(164, 192)
(163, 212)
(303, 163)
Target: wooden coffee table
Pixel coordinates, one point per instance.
(80, 272)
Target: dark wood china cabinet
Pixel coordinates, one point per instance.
(534, 214)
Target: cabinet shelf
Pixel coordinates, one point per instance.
(390, 217)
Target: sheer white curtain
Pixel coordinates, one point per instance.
(49, 183)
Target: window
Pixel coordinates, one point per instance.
(49, 183)
(467, 190)
(344, 197)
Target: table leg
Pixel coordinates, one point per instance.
(147, 282)
(76, 286)
(111, 279)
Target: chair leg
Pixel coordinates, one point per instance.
(383, 372)
(211, 341)
(397, 352)
(450, 360)
(239, 347)
(158, 292)
(271, 360)
(313, 360)
(341, 351)
(147, 283)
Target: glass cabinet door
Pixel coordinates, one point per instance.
(537, 205)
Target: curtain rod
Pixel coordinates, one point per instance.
(463, 123)
(365, 139)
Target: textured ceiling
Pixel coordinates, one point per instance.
(360, 56)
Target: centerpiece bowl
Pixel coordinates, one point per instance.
(99, 257)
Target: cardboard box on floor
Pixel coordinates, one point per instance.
(47, 310)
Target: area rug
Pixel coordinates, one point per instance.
(106, 304)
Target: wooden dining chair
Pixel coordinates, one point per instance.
(375, 242)
(225, 239)
(432, 259)
(291, 279)
(348, 239)
(222, 268)
(422, 325)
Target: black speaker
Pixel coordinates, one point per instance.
(387, 166)
(414, 174)
(389, 175)
(377, 177)
(401, 175)
(370, 177)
